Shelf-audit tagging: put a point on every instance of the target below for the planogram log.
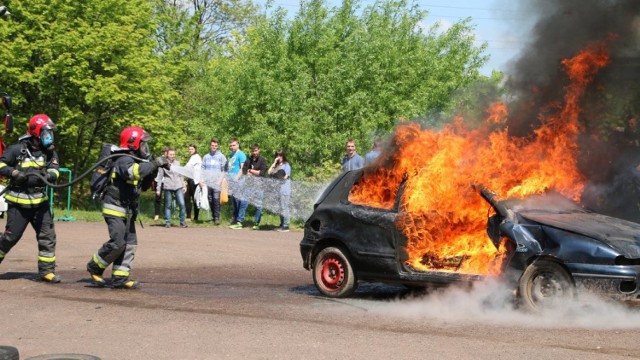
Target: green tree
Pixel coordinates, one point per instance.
(308, 83)
(189, 34)
(91, 66)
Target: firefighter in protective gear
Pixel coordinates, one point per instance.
(26, 195)
(120, 207)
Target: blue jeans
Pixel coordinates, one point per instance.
(258, 216)
(239, 208)
(214, 202)
(257, 196)
(168, 197)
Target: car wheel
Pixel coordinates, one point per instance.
(333, 274)
(9, 353)
(544, 284)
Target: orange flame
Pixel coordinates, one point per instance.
(443, 219)
(498, 113)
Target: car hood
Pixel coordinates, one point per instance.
(620, 234)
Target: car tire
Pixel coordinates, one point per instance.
(544, 284)
(9, 353)
(333, 274)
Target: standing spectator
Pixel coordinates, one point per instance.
(281, 170)
(172, 184)
(256, 168)
(155, 186)
(213, 170)
(372, 155)
(195, 164)
(235, 165)
(120, 208)
(26, 195)
(351, 161)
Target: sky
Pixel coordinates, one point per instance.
(497, 22)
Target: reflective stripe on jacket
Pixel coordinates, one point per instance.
(128, 178)
(26, 157)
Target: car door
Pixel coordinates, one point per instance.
(375, 238)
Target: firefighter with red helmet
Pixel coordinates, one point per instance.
(25, 164)
(131, 175)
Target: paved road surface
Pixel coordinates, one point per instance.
(215, 293)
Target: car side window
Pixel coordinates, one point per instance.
(376, 197)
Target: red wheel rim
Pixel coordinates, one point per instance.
(332, 273)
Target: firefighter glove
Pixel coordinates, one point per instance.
(162, 162)
(50, 176)
(19, 177)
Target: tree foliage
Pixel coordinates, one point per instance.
(187, 71)
(90, 66)
(307, 84)
(188, 35)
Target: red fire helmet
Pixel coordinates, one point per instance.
(38, 123)
(131, 137)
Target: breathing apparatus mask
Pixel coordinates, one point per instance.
(144, 152)
(46, 138)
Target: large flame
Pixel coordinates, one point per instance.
(443, 219)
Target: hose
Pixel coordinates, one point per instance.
(76, 180)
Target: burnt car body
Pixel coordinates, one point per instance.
(556, 247)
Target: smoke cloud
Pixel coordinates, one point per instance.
(493, 302)
(561, 29)
(610, 144)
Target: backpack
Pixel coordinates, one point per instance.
(102, 174)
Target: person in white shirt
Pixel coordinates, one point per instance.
(194, 164)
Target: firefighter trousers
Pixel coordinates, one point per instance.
(119, 250)
(41, 220)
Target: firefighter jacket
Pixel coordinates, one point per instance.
(29, 158)
(128, 178)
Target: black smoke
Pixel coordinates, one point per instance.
(610, 144)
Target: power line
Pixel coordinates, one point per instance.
(426, 6)
(468, 8)
(476, 18)
(436, 15)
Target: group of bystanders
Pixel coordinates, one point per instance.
(243, 177)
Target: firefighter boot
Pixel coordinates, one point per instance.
(50, 278)
(120, 282)
(96, 274)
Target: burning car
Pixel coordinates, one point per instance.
(413, 217)
(546, 245)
